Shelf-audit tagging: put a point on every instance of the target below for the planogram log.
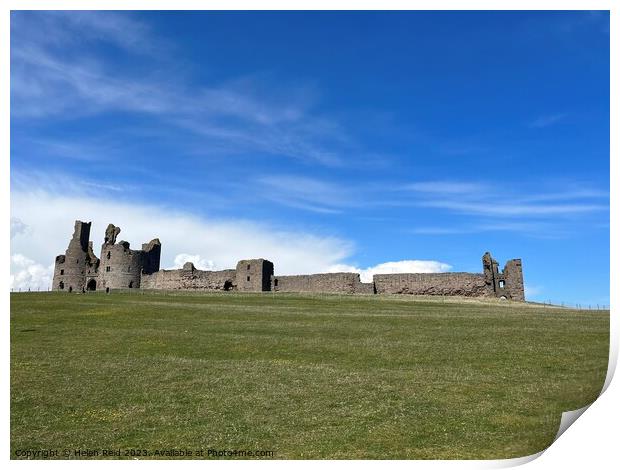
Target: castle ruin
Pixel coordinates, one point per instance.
(120, 267)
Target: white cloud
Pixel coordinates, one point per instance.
(28, 274)
(198, 261)
(393, 267)
(17, 227)
(204, 241)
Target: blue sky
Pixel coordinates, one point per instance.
(324, 141)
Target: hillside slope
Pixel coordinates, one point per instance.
(302, 376)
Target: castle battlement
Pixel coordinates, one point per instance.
(120, 267)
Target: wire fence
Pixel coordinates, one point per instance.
(138, 291)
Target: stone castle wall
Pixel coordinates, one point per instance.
(463, 284)
(120, 267)
(189, 278)
(337, 283)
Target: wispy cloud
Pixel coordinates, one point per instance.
(66, 28)
(17, 227)
(474, 198)
(53, 76)
(537, 229)
(512, 209)
(446, 187)
(490, 208)
(82, 151)
(308, 193)
(58, 182)
(547, 120)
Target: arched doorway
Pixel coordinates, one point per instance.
(228, 285)
(91, 285)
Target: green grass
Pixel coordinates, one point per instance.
(305, 376)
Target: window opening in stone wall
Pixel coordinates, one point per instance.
(61, 285)
(109, 254)
(248, 278)
(248, 267)
(502, 284)
(62, 271)
(275, 282)
(130, 284)
(107, 268)
(70, 288)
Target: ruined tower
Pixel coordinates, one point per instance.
(122, 267)
(79, 270)
(507, 284)
(74, 271)
(254, 275)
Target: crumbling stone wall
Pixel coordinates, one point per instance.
(152, 256)
(189, 278)
(507, 284)
(513, 275)
(463, 284)
(347, 283)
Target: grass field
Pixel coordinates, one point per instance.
(302, 376)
